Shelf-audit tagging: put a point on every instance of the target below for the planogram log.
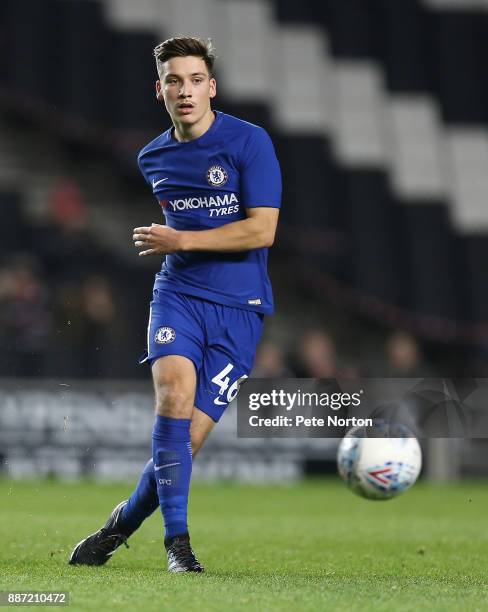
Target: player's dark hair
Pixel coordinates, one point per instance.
(182, 46)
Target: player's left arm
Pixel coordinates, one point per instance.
(256, 231)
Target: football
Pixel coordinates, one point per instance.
(379, 462)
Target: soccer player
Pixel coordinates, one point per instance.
(218, 183)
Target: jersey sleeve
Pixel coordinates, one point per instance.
(140, 163)
(260, 172)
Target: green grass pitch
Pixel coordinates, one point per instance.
(310, 546)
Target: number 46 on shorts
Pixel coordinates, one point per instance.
(222, 381)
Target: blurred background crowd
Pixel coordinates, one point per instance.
(70, 307)
(379, 120)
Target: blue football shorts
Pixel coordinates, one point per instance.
(220, 340)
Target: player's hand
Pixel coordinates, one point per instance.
(157, 239)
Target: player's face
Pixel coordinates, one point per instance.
(186, 88)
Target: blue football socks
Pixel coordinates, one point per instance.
(142, 503)
(172, 456)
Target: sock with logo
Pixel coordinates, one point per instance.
(142, 503)
(172, 458)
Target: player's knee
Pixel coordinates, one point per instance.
(173, 400)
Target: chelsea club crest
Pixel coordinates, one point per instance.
(216, 176)
(165, 335)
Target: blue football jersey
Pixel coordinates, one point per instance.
(206, 183)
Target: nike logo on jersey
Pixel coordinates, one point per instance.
(219, 403)
(160, 467)
(160, 181)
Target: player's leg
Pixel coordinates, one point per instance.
(232, 335)
(142, 502)
(173, 331)
(201, 426)
(144, 499)
(176, 419)
(174, 380)
(171, 376)
(128, 516)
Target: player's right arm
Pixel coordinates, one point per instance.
(255, 232)
(260, 192)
